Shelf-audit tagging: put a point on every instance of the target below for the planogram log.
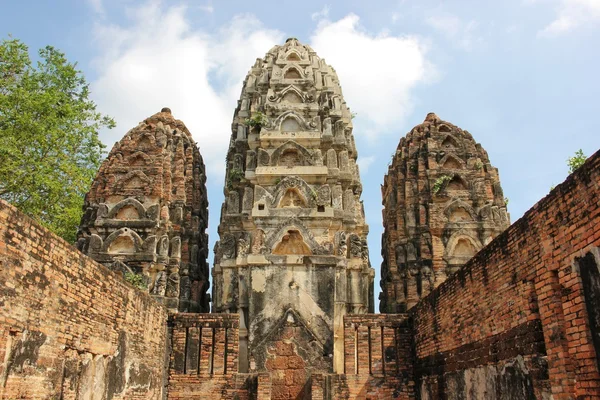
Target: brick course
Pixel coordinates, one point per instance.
(69, 327)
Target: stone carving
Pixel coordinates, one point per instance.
(332, 159)
(243, 246)
(258, 243)
(248, 201)
(336, 197)
(164, 214)
(227, 246)
(295, 203)
(342, 245)
(233, 203)
(436, 202)
(355, 246)
(250, 160)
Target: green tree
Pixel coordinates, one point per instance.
(576, 161)
(49, 146)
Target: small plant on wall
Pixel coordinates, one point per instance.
(440, 183)
(136, 280)
(235, 175)
(257, 120)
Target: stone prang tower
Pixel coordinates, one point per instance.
(292, 257)
(442, 203)
(147, 212)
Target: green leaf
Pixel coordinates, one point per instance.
(49, 145)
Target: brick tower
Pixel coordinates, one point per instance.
(442, 203)
(292, 257)
(147, 212)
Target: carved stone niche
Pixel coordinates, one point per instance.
(292, 243)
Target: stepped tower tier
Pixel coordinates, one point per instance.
(147, 212)
(442, 203)
(292, 252)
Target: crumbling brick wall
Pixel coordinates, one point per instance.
(204, 358)
(519, 319)
(377, 360)
(69, 327)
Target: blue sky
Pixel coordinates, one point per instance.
(521, 75)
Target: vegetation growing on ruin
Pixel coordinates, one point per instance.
(576, 161)
(440, 182)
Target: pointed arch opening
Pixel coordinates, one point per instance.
(291, 97)
(127, 213)
(444, 128)
(292, 243)
(452, 162)
(457, 183)
(464, 248)
(292, 73)
(293, 56)
(460, 214)
(123, 244)
(449, 143)
(290, 124)
(289, 158)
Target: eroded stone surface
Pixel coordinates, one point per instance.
(292, 232)
(442, 203)
(146, 212)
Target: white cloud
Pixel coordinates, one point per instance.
(463, 34)
(364, 163)
(377, 72)
(158, 60)
(572, 14)
(324, 13)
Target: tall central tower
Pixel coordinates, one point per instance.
(292, 257)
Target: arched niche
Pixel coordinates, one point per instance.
(134, 180)
(138, 159)
(293, 56)
(290, 124)
(292, 199)
(461, 247)
(457, 183)
(122, 241)
(292, 73)
(460, 214)
(295, 152)
(450, 142)
(464, 248)
(293, 224)
(444, 128)
(145, 142)
(127, 209)
(128, 213)
(295, 183)
(459, 210)
(451, 162)
(289, 158)
(292, 97)
(292, 243)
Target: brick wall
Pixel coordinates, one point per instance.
(204, 358)
(377, 360)
(69, 327)
(514, 320)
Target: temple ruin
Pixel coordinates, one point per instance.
(472, 308)
(442, 204)
(147, 212)
(292, 247)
